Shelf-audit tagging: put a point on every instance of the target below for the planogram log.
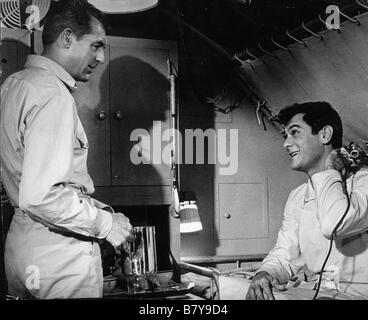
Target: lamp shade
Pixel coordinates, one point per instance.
(189, 215)
(123, 6)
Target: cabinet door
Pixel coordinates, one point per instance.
(15, 46)
(139, 88)
(8, 59)
(93, 104)
(243, 211)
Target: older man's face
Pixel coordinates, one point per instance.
(87, 52)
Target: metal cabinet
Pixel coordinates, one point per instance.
(124, 108)
(93, 104)
(243, 210)
(125, 111)
(15, 45)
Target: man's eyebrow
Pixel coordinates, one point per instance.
(293, 126)
(101, 43)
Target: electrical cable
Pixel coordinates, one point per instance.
(332, 239)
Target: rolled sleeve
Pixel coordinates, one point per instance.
(103, 224)
(334, 203)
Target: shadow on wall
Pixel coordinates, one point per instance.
(139, 96)
(134, 96)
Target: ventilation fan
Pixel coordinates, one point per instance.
(17, 14)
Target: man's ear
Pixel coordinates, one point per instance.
(66, 38)
(325, 134)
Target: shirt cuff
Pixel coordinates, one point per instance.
(103, 223)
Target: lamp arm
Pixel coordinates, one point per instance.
(175, 201)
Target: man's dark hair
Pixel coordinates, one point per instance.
(317, 115)
(73, 14)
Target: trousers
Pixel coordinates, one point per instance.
(42, 263)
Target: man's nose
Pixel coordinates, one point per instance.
(100, 56)
(287, 143)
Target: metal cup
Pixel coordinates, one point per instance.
(140, 257)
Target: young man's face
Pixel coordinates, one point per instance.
(306, 150)
(88, 52)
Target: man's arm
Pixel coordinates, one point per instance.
(276, 268)
(333, 202)
(49, 137)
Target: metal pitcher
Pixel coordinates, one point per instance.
(139, 257)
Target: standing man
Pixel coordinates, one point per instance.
(52, 246)
(331, 208)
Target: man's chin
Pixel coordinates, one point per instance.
(82, 78)
(295, 166)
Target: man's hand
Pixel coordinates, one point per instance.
(334, 162)
(261, 287)
(121, 231)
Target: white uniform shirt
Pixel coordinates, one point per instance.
(311, 213)
(50, 250)
(44, 150)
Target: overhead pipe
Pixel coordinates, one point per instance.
(242, 82)
(361, 4)
(304, 27)
(209, 41)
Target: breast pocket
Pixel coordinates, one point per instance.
(81, 147)
(81, 142)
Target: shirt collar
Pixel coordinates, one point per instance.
(309, 192)
(37, 61)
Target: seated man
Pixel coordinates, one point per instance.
(325, 225)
